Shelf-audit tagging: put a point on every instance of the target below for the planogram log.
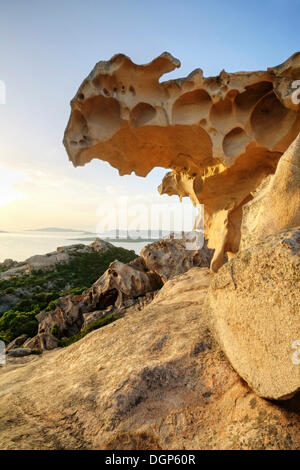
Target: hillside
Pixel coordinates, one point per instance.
(25, 296)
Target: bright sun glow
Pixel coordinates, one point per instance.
(8, 180)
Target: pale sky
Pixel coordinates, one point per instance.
(48, 47)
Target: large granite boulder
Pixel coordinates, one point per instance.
(276, 206)
(172, 256)
(254, 306)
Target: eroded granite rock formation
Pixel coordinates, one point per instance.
(221, 136)
(120, 287)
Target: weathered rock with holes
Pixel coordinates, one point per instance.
(117, 289)
(121, 283)
(65, 320)
(221, 136)
(154, 379)
(254, 306)
(120, 287)
(173, 256)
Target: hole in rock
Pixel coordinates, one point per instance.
(246, 100)
(271, 121)
(221, 115)
(102, 116)
(77, 126)
(234, 142)
(142, 114)
(191, 107)
(106, 299)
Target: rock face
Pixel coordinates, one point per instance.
(66, 319)
(37, 262)
(220, 136)
(121, 283)
(19, 352)
(277, 204)
(170, 257)
(8, 263)
(50, 260)
(17, 342)
(154, 379)
(120, 287)
(253, 303)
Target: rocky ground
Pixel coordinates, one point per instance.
(154, 379)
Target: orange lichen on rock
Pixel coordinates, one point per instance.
(220, 136)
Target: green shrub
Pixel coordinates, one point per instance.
(9, 290)
(36, 351)
(54, 330)
(99, 323)
(77, 290)
(51, 306)
(15, 323)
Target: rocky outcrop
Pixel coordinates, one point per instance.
(63, 254)
(253, 303)
(17, 342)
(19, 352)
(118, 288)
(8, 263)
(20, 270)
(170, 257)
(277, 204)
(44, 262)
(100, 245)
(220, 136)
(65, 320)
(154, 379)
(121, 286)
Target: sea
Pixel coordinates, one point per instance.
(20, 245)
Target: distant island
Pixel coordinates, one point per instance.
(57, 229)
(119, 235)
(116, 240)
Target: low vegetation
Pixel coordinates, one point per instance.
(93, 326)
(40, 290)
